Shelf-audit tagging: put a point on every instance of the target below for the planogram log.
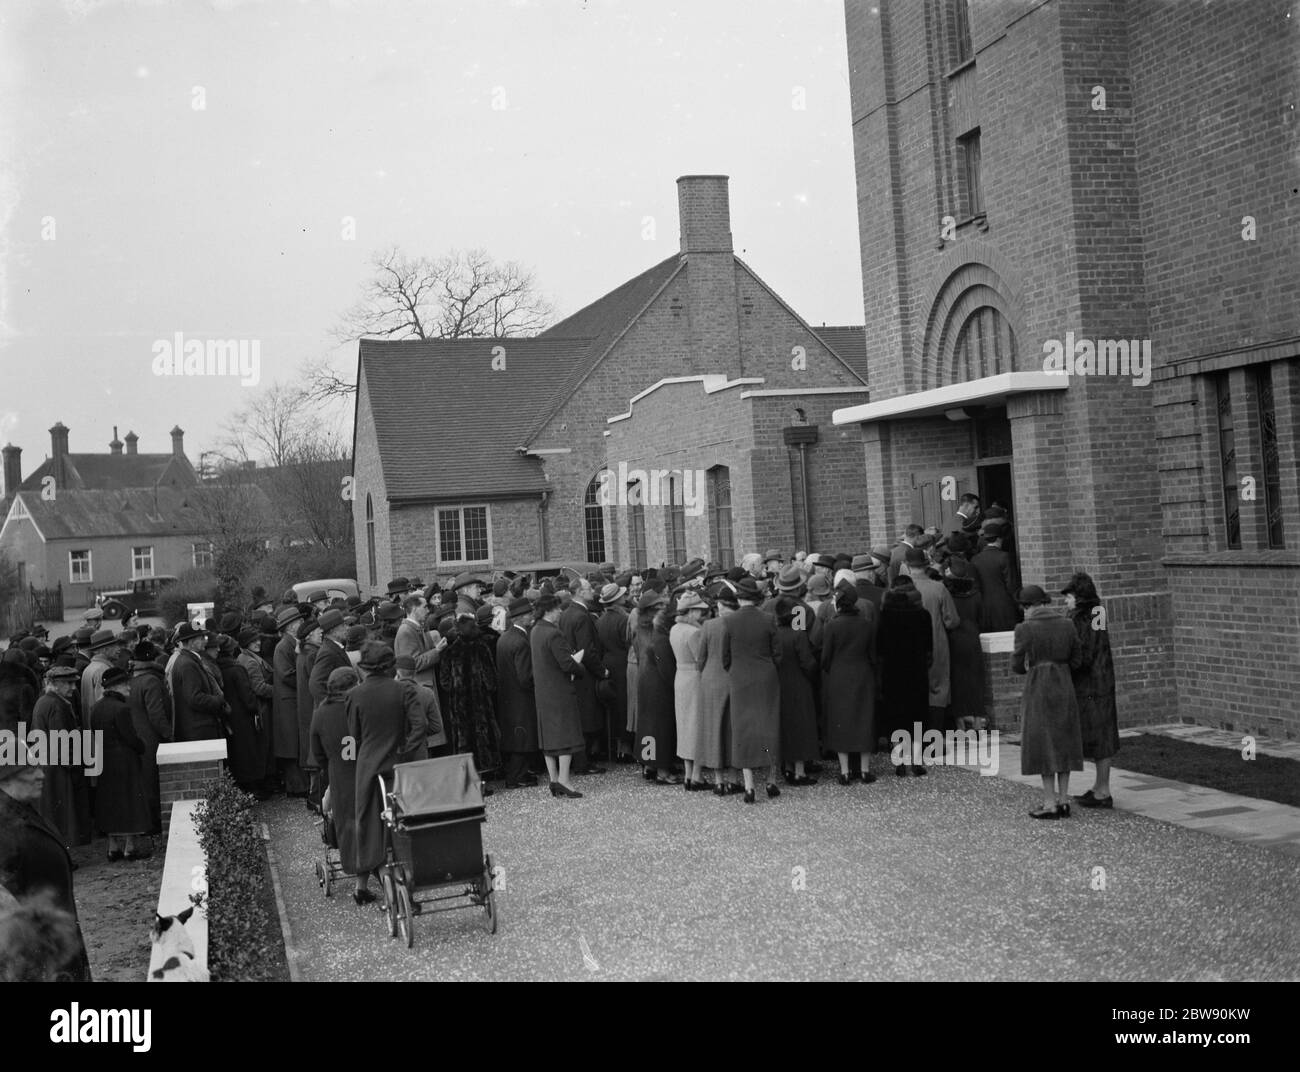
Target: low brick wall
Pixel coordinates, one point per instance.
(1002, 688)
(185, 770)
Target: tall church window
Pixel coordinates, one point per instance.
(593, 521)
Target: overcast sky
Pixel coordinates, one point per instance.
(128, 214)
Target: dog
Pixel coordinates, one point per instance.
(176, 951)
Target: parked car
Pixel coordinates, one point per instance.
(334, 587)
(539, 571)
(140, 599)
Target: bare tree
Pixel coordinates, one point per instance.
(464, 295)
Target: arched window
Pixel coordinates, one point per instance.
(370, 540)
(593, 521)
(719, 490)
(636, 525)
(986, 346)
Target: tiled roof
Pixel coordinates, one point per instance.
(165, 511)
(437, 403)
(850, 343)
(98, 472)
(603, 321)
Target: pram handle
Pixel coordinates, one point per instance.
(387, 813)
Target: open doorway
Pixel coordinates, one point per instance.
(995, 487)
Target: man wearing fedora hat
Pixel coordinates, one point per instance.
(579, 629)
(469, 594)
(200, 710)
(284, 703)
(516, 700)
(790, 584)
(64, 799)
(151, 715)
(991, 566)
(330, 656)
(103, 647)
(750, 652)
(309, 639)
(870, 590)
(612, 632)
(937, 601)
(397, 588)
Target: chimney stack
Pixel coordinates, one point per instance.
(59, 451)
(178, 442)
(13, 467)
(132, 442)
(711, 301)
(703, 205)
(115, 447)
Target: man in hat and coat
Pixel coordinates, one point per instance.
(200, 709)
(469, 594)
(870, 590)
(103, 648)
(64, 800)
(331, 655)
(612, 632)
(750, 653)
(151, 715)
(555, 665)
(386, 724)
(516, 702)
(284, 703)
(579, 628)
(912, 537)
(436, 741)
(331, 752)
(992, 569)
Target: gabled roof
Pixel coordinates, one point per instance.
(850, 343)
(603, 321)
(437, 403)
(98, 472)
(84, 515)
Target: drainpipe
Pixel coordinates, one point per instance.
(541, 525)
(803, 436)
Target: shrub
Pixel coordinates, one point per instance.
(240, 948)
(286, 566)
(192, 586)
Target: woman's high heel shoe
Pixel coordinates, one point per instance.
(773, 790)
(749, 796)
(845, 779)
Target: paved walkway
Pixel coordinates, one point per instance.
(1211, 811)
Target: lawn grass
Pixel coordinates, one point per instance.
(1265, 777)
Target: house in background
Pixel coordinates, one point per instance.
(703, 393)
(87, 522)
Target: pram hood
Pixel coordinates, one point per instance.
(436, 786)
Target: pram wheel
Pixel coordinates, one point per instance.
(405, 924)
(489, 895)
(390, 900)
(320, 876)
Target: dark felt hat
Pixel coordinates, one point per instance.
(377, 657)
(485, 614)
(248, 635)
(188, 631)
(650, 599)
(287, 616)
(103, 638)
(747, 588)
(356, 637)
(914, 556)
(230, 622)
(1031, 595)
(81, 638)
(62, 673)
(61, 644)
(340, 680)
(519, 607)
(318, 596)
(115, 678)
(390, 612)
(330, 619)
(547, 601)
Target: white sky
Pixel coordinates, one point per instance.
(225, 222)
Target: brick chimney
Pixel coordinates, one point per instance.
(178, 442)
(132, 442)
(59, 452)
(705, 211)
(13, 467)
(115, 447)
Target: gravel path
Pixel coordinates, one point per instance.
(943, 877)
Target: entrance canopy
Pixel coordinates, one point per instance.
(991, 391)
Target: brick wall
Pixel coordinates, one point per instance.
(185, 781)
(368, 483)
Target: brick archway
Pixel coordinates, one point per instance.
(971, 276)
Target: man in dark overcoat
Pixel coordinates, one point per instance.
(578, 625)
(284, 707)
(559, 722)
(516, 703)
(199, 708)
(612, 631)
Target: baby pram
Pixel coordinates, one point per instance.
(329, 869)
(432, 822)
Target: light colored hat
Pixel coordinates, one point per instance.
(691, 600)
(612, 593)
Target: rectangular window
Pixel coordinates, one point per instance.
(79, 567)
(1228, 462)
(464, 535)
(962, 50)
(201, 555)
(1271, 484)
(968, 150)
(141, 562)
(675, 522)
(719, 490)
(636, 525)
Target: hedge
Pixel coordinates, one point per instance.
(193, 586)
(244, 943)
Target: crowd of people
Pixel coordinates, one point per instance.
(711, 678)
